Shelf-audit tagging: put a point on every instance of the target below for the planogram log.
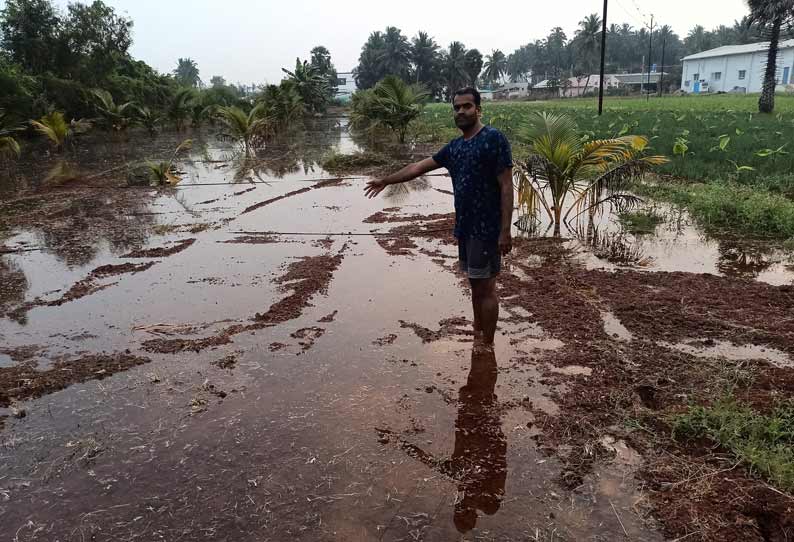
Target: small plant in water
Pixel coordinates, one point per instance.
(162, 173)
(246, 128)
(591, 173)
(640, 222)
(54, 127)
(391, 104)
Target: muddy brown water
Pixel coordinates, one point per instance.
(344, 426)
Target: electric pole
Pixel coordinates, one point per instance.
(661, 74)
(603, 57)
(650, 51)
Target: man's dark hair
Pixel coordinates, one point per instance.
(468, 90)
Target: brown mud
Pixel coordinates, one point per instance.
(161, 252)
(695, 491)
(23, 381)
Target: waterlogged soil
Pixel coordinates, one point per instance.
(288, 360)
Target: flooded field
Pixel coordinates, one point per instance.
(261, 353)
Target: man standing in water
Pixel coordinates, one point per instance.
(480, 164)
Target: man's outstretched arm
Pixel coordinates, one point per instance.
(408, 173)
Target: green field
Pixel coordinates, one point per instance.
(737, 166)
(701, 123)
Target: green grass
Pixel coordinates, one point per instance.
(730, 206)
(763, 442)
(343, 163)
(702, 122)
(639, 222)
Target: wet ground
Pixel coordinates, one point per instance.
(263, 354)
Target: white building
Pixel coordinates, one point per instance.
(736, 68)
(345, 86)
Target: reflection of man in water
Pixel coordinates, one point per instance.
(480, 164)
(479, 461)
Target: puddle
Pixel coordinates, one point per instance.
(730, 351)
(676, 244)
(614, 328)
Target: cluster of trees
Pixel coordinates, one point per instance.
(420, 60)
(555, 57)
(61, 67)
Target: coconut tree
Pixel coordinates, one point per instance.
(148, 119)
(391, 104)
(180, 107)
(162, 172)
(563, 168)
(424, 56)
(588, 42)
(9, 147)
(113, 116)
(395, 57)
(454, 67)
(244, 127)
(495, 66)
(187, 73)
(54, 127)
(772, 16)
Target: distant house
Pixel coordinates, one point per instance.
(638, 81)
(345, 86)
(579, 86)
(517, 89)
(736, 68)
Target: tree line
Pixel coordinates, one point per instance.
(557, 56)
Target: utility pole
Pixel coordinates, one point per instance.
(603, 57)
(650, 51)
(661, 74)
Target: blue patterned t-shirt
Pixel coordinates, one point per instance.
(474, 166)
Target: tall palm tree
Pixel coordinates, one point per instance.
(562, 166)
(495, 66)
(187, 73)
(454, 67)
(745, 31)
(424, 53)
(772, 16)
(395, 58)
(588, 39)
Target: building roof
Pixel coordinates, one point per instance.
(738, 49)
(637, 78)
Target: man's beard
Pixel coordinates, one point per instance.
(465, 122)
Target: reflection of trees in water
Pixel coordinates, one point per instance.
(616, 247)
(295, 151)
(479, 459)
(744, 259)
(13, 288)
(397, 193)
(84, 221)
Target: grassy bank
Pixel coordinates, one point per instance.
(764, 442)
(730, 206)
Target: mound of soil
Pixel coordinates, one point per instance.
(160, 252)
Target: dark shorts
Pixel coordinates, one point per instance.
(479, 259)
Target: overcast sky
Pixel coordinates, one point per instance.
(251, 40)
